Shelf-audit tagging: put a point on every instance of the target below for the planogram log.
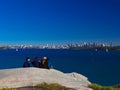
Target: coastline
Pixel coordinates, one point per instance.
(63, 47)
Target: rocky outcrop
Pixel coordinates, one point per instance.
(21, 77)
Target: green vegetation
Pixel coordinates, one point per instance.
(54, 86)
(9, 89)
(98, 87)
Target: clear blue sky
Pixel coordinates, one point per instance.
(59, 21)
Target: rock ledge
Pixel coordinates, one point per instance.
(21, 77)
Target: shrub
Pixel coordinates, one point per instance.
(54, 86)
(9, 89)
(98, 87)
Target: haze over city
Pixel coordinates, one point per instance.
(34, 22)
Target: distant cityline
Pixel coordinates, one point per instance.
(67, 46)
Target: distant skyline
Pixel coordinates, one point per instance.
(59, 21)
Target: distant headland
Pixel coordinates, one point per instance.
(98, 48)
(94, 46)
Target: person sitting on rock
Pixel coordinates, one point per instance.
(27, 62)
(36, 62)
(44, 63)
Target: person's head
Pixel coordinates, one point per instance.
(45, 58)
(27, 58)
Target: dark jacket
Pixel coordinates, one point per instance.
(36, 63)
(26, 64)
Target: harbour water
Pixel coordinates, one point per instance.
(99, 66)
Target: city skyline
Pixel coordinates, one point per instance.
(85, 45)
(35, 22)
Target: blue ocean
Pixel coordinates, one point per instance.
(99, 66)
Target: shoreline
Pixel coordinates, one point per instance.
(65, 47)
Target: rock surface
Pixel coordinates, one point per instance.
(21, 77)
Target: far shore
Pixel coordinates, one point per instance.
(70, 47)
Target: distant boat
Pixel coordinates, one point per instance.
(16, 49)
(106, 50)
(95, 49)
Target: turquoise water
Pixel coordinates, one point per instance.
(100, 67)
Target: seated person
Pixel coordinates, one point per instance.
(36, 62)
(27, 62)
(44, 63)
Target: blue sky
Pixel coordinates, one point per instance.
(59, 21)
